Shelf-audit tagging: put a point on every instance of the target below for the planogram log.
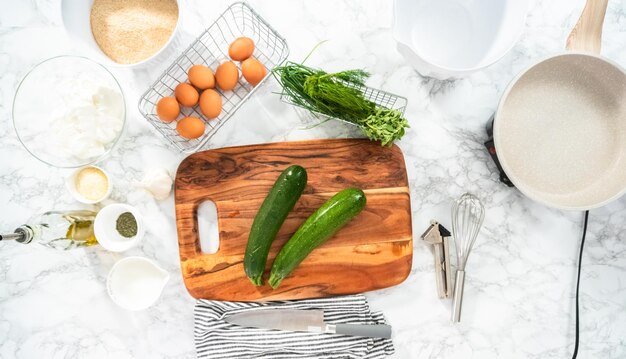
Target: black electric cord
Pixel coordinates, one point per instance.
(580, 260)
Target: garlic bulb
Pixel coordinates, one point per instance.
(158, 182)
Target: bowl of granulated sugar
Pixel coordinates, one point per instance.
(123, 33)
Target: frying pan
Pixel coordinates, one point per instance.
(560, 128)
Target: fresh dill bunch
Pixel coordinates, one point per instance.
(339, 95)
(333, 97)
(291, 77)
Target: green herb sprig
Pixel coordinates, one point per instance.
(338, 95)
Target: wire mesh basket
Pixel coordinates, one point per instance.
(211, 49)
(380, 98)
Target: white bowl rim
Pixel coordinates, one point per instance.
(112, 63)
(132, 242)
(114, 143)
(71, 185)
(484, 64)
(126, 259)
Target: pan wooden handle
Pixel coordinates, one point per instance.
(586, 36)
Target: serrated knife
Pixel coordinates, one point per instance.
(298, 320)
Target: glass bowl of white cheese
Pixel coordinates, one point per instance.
(69, 112)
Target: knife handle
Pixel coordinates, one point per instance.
(362, 330)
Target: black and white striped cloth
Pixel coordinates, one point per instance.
(217, 339)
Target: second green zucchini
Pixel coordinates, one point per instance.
(319, 227)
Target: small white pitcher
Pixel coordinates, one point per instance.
(135, 283)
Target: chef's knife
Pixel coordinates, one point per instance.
(304, 321)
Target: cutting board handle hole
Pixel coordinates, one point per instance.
(208, 229)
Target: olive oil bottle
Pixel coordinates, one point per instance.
(61, 230)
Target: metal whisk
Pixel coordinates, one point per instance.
(467, 218)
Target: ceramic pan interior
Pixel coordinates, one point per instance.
(560, 131)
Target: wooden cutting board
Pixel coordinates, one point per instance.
(373, 251)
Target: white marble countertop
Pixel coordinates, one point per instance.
(519, 293)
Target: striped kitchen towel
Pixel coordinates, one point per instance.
(217, 339)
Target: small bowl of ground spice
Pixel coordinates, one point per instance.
(118, 227)
(122, 32)
(89, 184)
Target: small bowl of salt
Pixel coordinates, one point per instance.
(118, 227)
(89, 184)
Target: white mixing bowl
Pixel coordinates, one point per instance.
(76, 19)
(452, 38)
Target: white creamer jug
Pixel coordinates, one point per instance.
(135, 283)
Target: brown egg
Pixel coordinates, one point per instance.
(190, 127)
(210, 103)
(201, 77)
(253, 71)
(167, 109)
(241, 48)
(227, 75)
(186, 94)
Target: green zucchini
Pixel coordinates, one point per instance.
(273, 212)
(319, 227)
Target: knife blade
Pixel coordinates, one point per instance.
(299, 320)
